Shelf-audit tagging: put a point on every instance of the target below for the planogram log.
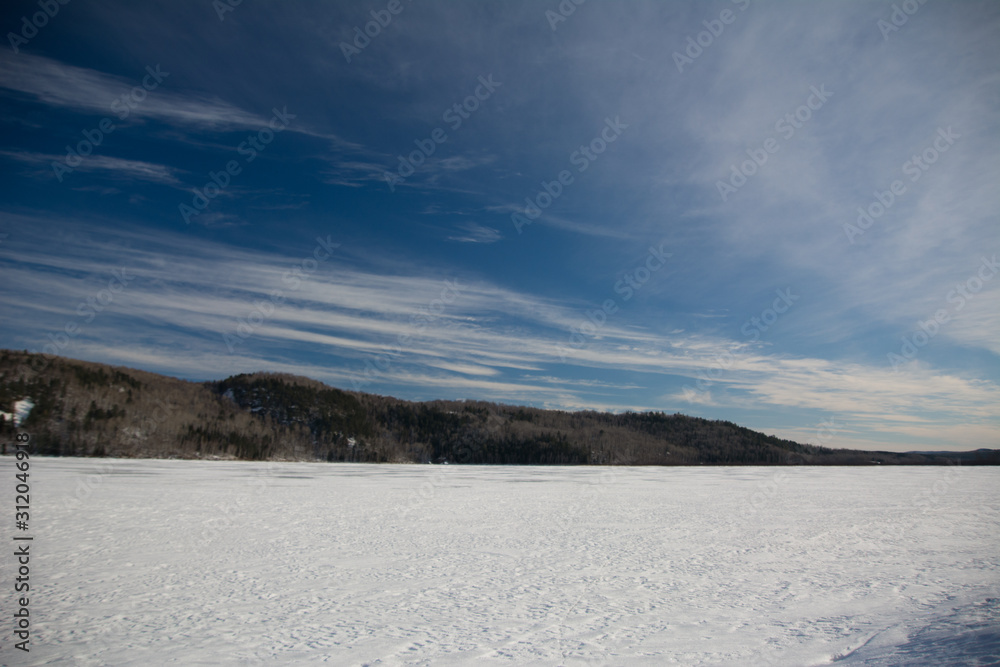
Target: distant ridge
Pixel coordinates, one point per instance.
(972, 455)
(83, 408)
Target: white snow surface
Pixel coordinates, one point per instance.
(145, 562)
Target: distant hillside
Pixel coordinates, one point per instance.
(88, 409)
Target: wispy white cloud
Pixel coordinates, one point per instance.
(86, 90)
(507, 333)
(116, 167)
(189, 300)
(473, 232)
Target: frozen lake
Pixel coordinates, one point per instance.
(139, 562)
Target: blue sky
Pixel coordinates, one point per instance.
(630, 205)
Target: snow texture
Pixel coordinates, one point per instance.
(139, 562)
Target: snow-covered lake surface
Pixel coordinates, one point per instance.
(139, 562)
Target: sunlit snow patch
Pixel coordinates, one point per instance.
(22, 409)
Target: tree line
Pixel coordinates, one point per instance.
(87, 409)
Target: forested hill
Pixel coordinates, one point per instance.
(78, 408)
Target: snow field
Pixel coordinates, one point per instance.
(142, 562)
